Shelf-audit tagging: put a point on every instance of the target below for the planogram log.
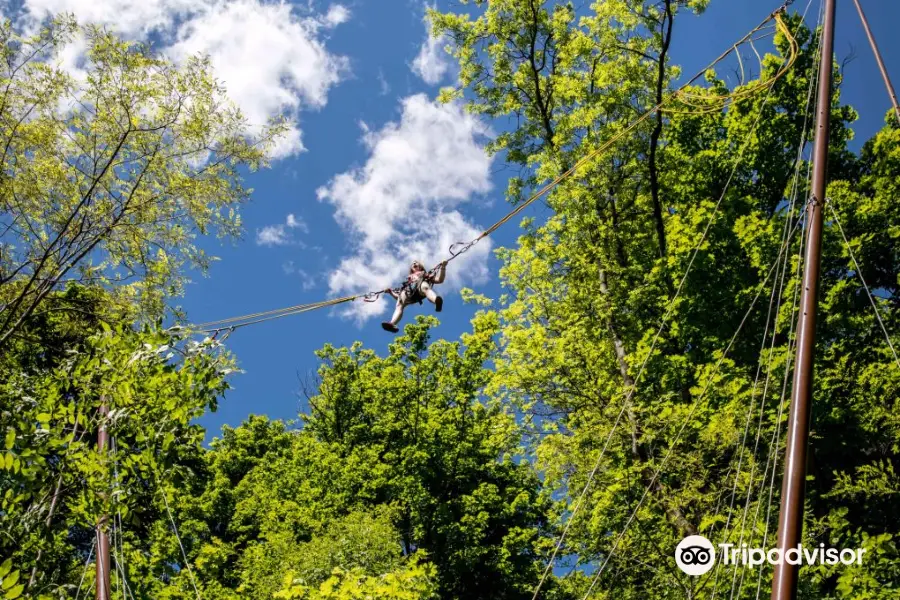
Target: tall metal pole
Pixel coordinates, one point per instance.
(878, 59)
(103, 588)
(790, 520)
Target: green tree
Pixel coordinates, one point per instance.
(447, 459)
(399, 466)
(589, 287)
(109, 177)
(56, 484)
(415, 582)
(408, 477)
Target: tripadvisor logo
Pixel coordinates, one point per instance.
(695, 555)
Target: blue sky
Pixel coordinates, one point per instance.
(384, 174)
(251, 277)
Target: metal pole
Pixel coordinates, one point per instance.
(884, 73)
(790, 520)
(103, 589)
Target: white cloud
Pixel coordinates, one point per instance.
(269, 57)
(71, 59)
(336, 15)
(402, 204)
(384, 88)
(295, 222)
(432, 63)
(271, 235)
(131, 18)
(278, 235)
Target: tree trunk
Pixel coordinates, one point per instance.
(655, 135)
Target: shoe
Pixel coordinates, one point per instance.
(388, 326)
(438, 304)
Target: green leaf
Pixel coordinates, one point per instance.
(15, 592)
(10, 580)
(10, 438)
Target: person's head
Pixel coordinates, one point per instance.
(416, 266)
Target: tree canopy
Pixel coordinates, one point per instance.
(108, 175)
(629, 388)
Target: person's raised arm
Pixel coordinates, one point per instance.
(442, 272)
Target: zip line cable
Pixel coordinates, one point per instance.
(241, 321)
(251, 319)
(118, 553)
(87, 564)
(775, 440)
(187, 563)
(687, 419)
(118, 547)
(608, 557)
(779, 291)
(762, 402)
(859, 274)
(164, 493)
(884, 72)
(775, 300)
(722, 101)
(671, 303)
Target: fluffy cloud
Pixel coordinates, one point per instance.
(270, 58)
(131, 18)
(279, 235)
(432, 63)
(295, 222)
(402, 204)
(336, 15)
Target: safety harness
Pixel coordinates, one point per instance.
(413, 287)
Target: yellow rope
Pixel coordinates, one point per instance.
(289, 309)
(721, 101)
(241, 321)
(636, 122)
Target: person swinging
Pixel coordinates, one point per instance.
(417, 287)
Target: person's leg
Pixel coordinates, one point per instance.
(398, 309)
(398, 314)
(432, 296)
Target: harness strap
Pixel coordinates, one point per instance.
(413, 294)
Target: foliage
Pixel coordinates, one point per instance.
(9, 580)
(56, 482)
(397, 457)
(689, 436)
(415, 582)
(108, 174)
(643, 345)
